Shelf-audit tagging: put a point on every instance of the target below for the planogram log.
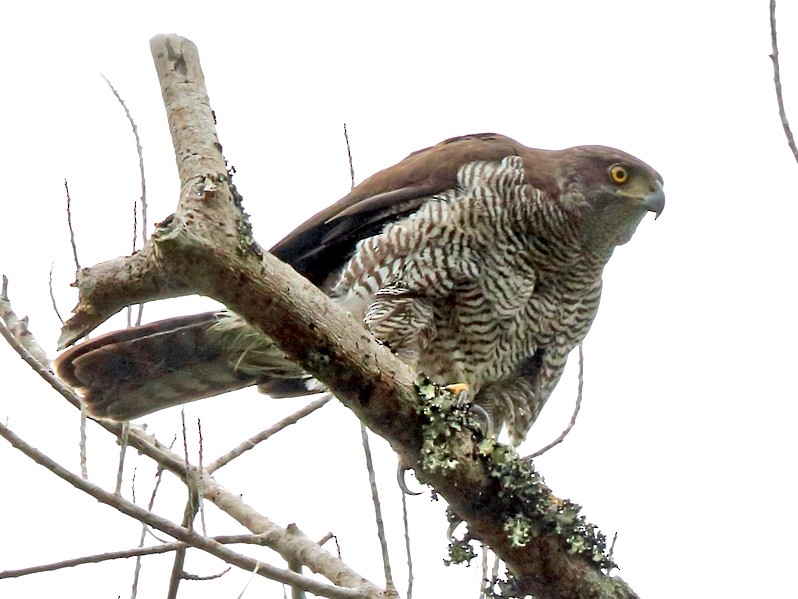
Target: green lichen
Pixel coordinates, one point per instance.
(445, 416)
(528, 507)
(460, 552)
(534, 511)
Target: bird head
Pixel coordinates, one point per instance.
(612, 191)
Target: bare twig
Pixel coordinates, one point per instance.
(187, 536)
(142, 198)
(52, 295)
(145, 528)
(612, 545)
(484, 581)
(17, 329)
(265, 434)
(93, 559)
(774, 57)
(120, 471)
(84, 460)
(408, 553)
(349, 155)
(375, 498)
(140, 152)
(137, 552)
(201, 466)
(189, 514)
(178, 573)
(69, 225)
(187, 576)
(326, 538)
(578, 405)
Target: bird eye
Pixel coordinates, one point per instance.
(618, 174)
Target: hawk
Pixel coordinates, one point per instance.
(477, 261)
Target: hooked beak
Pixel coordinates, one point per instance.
(655, 201)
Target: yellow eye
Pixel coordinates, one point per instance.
(618, 174)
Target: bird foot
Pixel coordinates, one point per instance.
(401, 470)
(459, 389)
(463, 392)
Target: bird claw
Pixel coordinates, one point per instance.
(453, 524)
(485, 421)
(481, 414)
(400, 479)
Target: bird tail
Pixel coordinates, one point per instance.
(136, 371)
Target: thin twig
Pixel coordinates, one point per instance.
(18, 334)
(408, 553)
(375, 498)
(349, 155)
(84, 460)
(140, 152)
(326, 538)
(142, 198)
(578, 405)
(265, 434)
(69, 225)
(484, 581)
(178, 573)
(137, 552)
(137, 569)
(92, 559)
(122, 453)
(189, 514)
(612, 545)
(187, 576)
(200, 501)
(189, 537)
(52, 295)
(774, 58)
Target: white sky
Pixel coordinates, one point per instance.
(685, 439)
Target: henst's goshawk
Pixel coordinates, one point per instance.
(477, 261)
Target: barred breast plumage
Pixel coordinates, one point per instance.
(477, 261)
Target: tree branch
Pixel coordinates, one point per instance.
(188, 537)
(266, 433)
(127, 553)
(291, 545)
(774, 57)
(206, 247)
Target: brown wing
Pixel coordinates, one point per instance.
(323, 243)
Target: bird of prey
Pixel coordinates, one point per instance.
(477, 261)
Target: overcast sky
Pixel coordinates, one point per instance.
(685, 444)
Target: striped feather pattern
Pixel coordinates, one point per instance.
(477, 261)
(475, 282)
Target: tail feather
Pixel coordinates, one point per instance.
(137, 371)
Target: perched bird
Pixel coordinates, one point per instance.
(477, 261)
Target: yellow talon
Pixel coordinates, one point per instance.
(458, 388)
